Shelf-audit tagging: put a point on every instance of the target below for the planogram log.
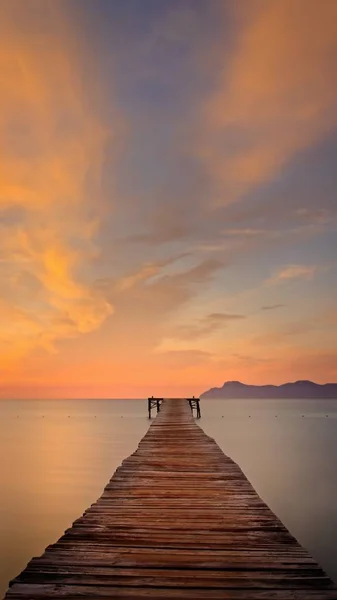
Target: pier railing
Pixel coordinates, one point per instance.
(194, 403)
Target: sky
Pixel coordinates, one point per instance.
(168, 211)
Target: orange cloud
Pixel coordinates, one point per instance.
(276, 97)
(143, 274)
(291, 272)
(51, 151)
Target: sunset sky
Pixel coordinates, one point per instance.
(167, 195)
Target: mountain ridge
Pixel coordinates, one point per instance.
(301, 389)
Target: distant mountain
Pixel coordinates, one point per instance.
(295, 390)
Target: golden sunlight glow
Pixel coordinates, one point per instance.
(163, 218)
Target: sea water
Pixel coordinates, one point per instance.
(57, 456)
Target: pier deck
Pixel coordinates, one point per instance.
(178, 520)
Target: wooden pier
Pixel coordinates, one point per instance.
(178, 520)
(155, 403)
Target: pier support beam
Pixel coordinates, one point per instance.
(154, 403)
(195, 405)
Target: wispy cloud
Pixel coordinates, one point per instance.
(272, 306)
(319, 216)
(153, 289)
(246, 232)
(293, 272)
(319, 322)
(275, 98)
(147, 301)
(205, 326)
(52, 148)
(180, 358)
(145, 273)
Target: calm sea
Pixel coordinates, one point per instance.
(56, 457)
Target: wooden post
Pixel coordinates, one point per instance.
(154, 403)
(194, 404)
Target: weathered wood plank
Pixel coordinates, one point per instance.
(72, 592)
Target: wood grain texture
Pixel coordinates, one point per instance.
(178, 520)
